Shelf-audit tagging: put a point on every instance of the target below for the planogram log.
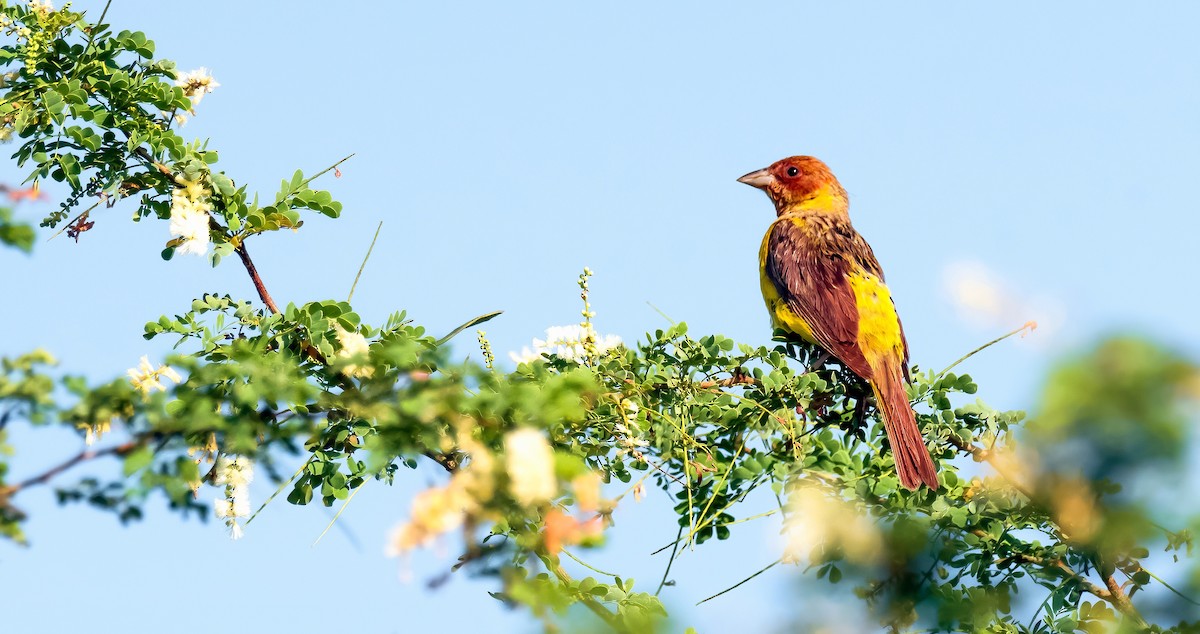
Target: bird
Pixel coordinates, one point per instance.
(822, 283)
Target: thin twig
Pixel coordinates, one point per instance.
(667, 571)
(587, 565)
(339, 513)
(69, 224)
(326, 170)
(1030, 325)
(92, 31)
(1168, 586)
(281, 487)
(734, 586)
(364, 262)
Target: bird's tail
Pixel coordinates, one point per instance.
(913, 463)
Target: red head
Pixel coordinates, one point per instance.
(799, 182)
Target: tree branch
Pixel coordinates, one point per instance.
(254, 277)
(83, 456)
(1121, 601)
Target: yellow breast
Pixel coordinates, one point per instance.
(782, 317)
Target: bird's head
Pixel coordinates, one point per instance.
(800, 183)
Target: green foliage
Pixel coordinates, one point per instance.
(15, 234)
(706, 419)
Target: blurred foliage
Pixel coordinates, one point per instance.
(14, 234)
(1046, 537)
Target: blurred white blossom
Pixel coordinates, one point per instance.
(438, 510)
(819, 522)
(434, 511)
(529, 461)
(984, 299)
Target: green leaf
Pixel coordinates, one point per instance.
(470, 323)
(137, 460)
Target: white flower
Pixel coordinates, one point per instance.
(526, 355)
(189, 218)
(222, 508)
(529, 461)
(569, 343)
(353, 344)
(145, 376)
(196, 84)
(629, 441)
(236, 473)
(241, 504)
(41, 6)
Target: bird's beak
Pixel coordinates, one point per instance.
(759, 179)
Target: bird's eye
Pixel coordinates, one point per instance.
(792, 171)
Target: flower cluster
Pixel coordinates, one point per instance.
(196, 84)
(235, 472)
(569, 343)
(190, 207)
(353, 344)
(529, 464)
(146, 377)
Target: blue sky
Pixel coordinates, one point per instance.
(507, 145)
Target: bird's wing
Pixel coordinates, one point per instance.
(862, 255)
(809, 270)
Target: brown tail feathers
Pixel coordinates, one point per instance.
(913, 463)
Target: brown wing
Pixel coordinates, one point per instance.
(862, 255)
(808, 267)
